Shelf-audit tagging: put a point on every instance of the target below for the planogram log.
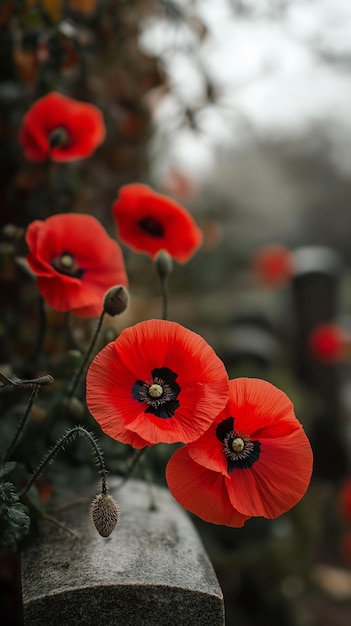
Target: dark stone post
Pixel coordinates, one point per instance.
(315, 289)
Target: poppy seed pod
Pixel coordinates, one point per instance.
(105, 514)
(116, 300)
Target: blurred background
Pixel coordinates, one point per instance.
(239, 110)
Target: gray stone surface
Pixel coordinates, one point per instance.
(152, 570)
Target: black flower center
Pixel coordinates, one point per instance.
(66, 264)
(160, 394)
(152, 227)
(59, 138)
(240, 451)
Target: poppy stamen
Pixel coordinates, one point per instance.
(155, 393)
(155, 390)
(240, 451)
(237, 447)
(59, 138)
(160, 393)
(238, 444)
(152, 227)
(66, 264)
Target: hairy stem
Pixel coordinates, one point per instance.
(85, 361)
(67, 438)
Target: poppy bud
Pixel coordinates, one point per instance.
(105, 514)
(164, 264)
(75, 358)
(116, 300)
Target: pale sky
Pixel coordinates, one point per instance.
(274, 76)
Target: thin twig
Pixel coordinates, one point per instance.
(22, 424)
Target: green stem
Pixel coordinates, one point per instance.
(83, 364)
(67, 438)
(22, 424)
(164, 295)
(71, 341)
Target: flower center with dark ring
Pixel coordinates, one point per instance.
(66, 264)
(152, 227)
(59, 138)
(240, 450)
(160, 394)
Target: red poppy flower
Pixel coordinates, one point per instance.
(345, 500)
(254, 460)
(149, 222)
(61, 128)
(273, 264)
(157, 382)
(76, 262)
(329, 343)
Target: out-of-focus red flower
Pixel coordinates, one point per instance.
(148, 222)
(273, 264)
(345, 545)
(157, 382)
(62, 129)
(345, 500)
(329, 343)
(254, 460)
(76, 262)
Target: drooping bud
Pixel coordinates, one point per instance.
(105, 514)
(164, 264)
(116, 300)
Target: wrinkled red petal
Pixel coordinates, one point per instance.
(140, 349)
(180, 235)
(94, 252)
(260, 408)
(207, 450)
(277, 480)
(201, 491)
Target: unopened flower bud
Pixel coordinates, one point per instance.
(75, 358)
(116, 300)
(164, 264)
(105, 514)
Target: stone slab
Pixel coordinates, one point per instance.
(151, 571)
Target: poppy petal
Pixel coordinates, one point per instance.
(97, 262)
(201, 491)
(82, 122)
(259, 407)
(148, 222)
(200, 378)
(278, 479)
